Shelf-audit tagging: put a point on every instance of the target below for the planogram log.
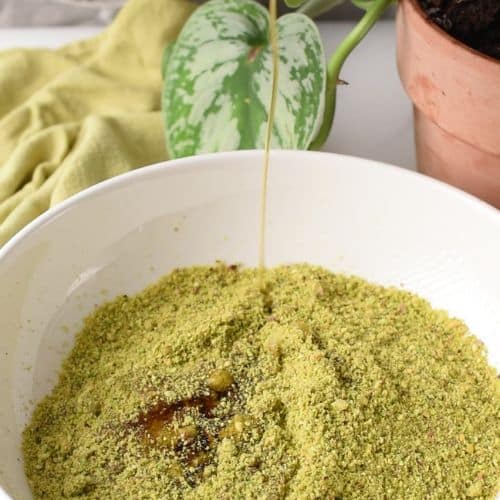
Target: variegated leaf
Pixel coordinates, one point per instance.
(218, 81)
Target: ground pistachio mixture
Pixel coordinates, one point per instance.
(322, 387)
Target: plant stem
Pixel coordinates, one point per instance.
(338, 58)
(314, 8)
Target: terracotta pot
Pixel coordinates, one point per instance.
(456, 100)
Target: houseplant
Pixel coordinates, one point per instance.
(456, 91)
(217, 77)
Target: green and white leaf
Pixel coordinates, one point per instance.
(218, 80)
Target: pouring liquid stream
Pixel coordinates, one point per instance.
(273, 39)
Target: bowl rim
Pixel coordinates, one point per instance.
(195, 162)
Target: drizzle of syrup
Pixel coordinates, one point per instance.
(164, 413)
(194, 453)
(273, 40)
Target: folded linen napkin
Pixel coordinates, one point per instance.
(73, 117)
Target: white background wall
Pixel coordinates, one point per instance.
(71, 12)
(52, 12)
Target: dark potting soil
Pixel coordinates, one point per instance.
(474, 22)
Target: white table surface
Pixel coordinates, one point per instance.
(373, 117)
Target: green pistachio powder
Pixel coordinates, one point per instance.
(325, 386)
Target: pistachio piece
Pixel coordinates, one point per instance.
(236, 426)
(220, 380)
(188, 433)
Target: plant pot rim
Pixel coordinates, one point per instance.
(415, 5)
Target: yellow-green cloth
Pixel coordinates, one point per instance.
(72, 117)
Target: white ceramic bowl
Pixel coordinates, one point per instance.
(351, 215)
